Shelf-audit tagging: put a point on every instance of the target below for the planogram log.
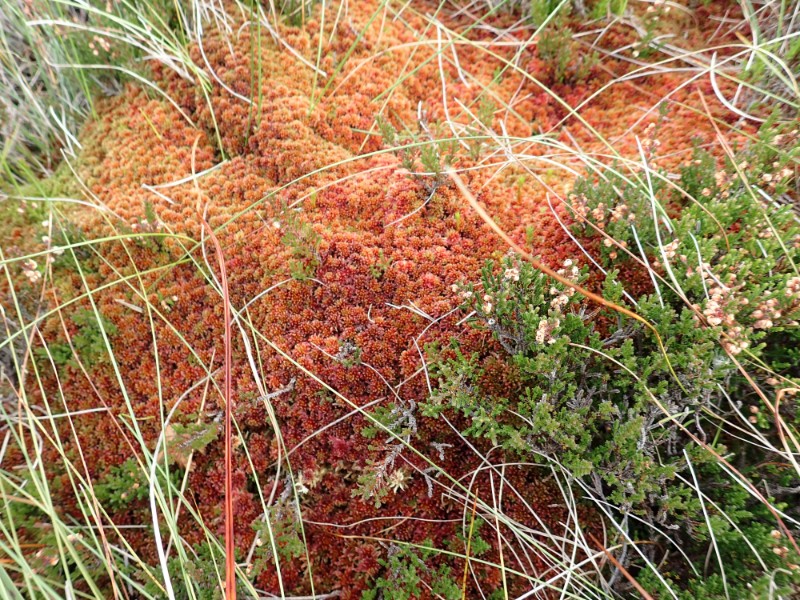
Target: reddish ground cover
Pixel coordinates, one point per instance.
(337, 254)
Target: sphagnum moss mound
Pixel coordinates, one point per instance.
(412, 421)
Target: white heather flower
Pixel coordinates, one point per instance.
(30, 271)
(559, 302)
(762, 324)
(541, 331)
(619, 212)
(512, 274)
(732, 347)
(544, 332)
(713, 311)
(669, 249)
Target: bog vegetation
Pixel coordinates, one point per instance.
(390, 300)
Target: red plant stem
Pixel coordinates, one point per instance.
(230, 564)
(622, 570)
(230, 560)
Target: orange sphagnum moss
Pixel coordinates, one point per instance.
(337, 255)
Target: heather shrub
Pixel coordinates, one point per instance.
(637, 421)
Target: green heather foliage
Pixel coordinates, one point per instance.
(203, 571)
(88, 343)
(127, 483)
(282, 531)
(406, 567)
(592, 390)
(303, 243)
(569, 64)
(427, 152)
